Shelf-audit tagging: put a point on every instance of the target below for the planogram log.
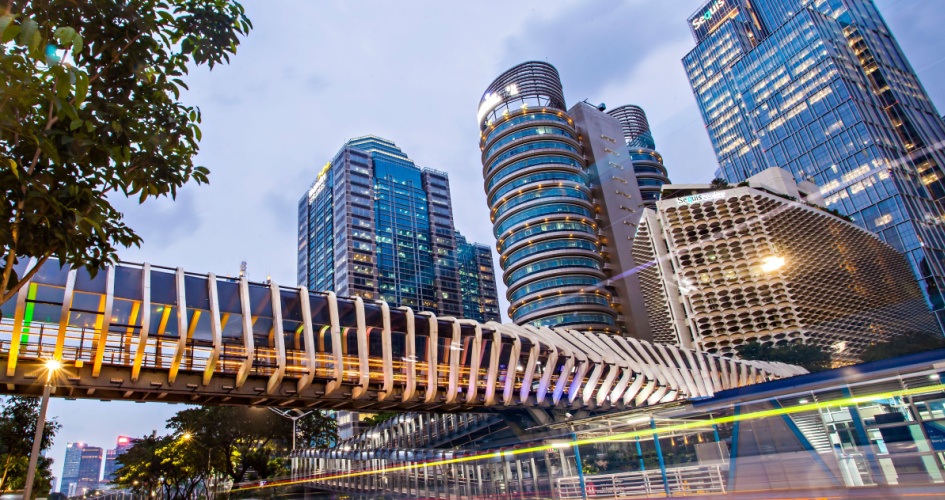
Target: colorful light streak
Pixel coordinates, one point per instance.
(617, 437)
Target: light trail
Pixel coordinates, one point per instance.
(616, 437)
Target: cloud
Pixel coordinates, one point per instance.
(162, 222)
(598, 43)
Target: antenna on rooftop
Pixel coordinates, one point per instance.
(242, 268)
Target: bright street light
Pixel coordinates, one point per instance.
(53, 365)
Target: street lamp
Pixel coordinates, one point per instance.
(52, 367)
(292, 416)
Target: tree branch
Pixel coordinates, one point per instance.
(115, 58)
(16, 288)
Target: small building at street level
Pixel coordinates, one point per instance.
(766, 261)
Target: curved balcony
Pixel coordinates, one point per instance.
(535, 177)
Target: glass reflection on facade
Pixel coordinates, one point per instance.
(822, 89)
(377, 226)
(477, 281)
(647, 163)
(540, 200)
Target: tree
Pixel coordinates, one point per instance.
(89, 110)
(18, 418)
(173, 465)
(379, 418)
(809, 356)
(238, 440)
(901, 345)
(719, 183)
(317, 430)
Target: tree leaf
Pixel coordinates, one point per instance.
(28, 28)
(77, 42)
(65, 36)
(81, 87)
(10, 33)
(5, 23)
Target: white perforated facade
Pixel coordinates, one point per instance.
(720, 268)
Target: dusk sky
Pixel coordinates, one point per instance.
(312, 75)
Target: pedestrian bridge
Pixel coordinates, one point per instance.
(148, 333)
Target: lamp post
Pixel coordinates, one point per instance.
(52, 367)
(294, 418)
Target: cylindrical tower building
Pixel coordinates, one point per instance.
(541, 206)
(647, 163)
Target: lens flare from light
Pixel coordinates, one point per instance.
(772, 264)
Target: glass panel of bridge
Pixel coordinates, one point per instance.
(125, 323)
(85, 316)
(398, 343)
(321, 321)
(199, 331)
(505, 363)
(162, 333)
(8, 310)
(292, 331)
(445, 349)
(9, 307)
(467, 336)
(231, 325)
(373, 319)
(43, 310)
(260, 302)
(347, 318)
(485, 360)
(421, 330)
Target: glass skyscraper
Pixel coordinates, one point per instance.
(70, 466)
(565, 193)
(647, 163)
(822, 89)
(477, 280)
(377, 226)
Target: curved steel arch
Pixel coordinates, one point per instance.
(269, 354)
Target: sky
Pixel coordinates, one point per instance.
(312, 75)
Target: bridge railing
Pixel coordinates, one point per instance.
(680, 481)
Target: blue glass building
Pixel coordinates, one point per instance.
(822, 89)
(477, 280)
(376, 225)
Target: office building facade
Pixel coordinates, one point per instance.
(564, 198)
(648, 165)
(90, 470)
(70, 466)
(822, 89)
(477, 281)
(111, 457)
(377, 226)
(767, 262)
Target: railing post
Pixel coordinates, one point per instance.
(580, 466)
(659, 455)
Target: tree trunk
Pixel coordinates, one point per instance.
(6, 469)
